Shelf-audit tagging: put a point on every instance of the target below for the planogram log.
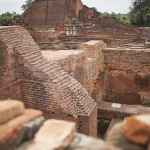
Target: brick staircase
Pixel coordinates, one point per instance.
(56, 45)
(69, 42)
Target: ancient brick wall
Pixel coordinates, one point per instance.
(127, 76)
(45, 13)
(95, 67)
(43, 36)
(76, 65)
(120, 25)
(108, 36)
(47, 86)
(51, 13)
(84, 64)
(9, 77)
(72, 8)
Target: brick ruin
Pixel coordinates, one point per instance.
(75, 20)
(78, 65)
(27, 76)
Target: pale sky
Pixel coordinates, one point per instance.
(117, 6)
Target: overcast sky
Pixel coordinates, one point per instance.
(117, 6)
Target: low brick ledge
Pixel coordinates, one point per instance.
(107, 111)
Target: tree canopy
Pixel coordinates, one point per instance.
(140, 12)
(120, 17)
(27, 4)
(7, 18)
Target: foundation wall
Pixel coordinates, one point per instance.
(9, 77)
(43, 36)
(89, 123)
(117, 36)
(127, 76)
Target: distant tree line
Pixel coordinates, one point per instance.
(120, 17)
(7, 18)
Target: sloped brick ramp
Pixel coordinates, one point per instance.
(26, 75)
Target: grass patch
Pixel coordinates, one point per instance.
(98, 55)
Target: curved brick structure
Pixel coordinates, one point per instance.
(26, 75)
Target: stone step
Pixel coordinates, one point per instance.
(108, 111)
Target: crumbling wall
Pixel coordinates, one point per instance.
(108, 35)
(76, 65)
(72, 8)
(84, 64)
(127, 76)
(43, 36)
(9, 77)
(51, 13)
(95, 67)
(124, 28)
(45, 13)
(47, 86)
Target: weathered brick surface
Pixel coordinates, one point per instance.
(11, 91)
(46, 86)
(73, 62)
(51, 13)
(127, 74)
(95, 67)
(93, 48)
(44, 14)
(85, 65)
(108, 36)
(43, 36)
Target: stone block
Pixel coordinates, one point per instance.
(82, 142)
(53, 135)
(116, 140)
(10, 109)
(12, 132)
(137, 129)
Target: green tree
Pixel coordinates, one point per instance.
(140, 12)
(6, 18)
(105, 14)
(120, 17)
(27, 4)
(113, 15)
